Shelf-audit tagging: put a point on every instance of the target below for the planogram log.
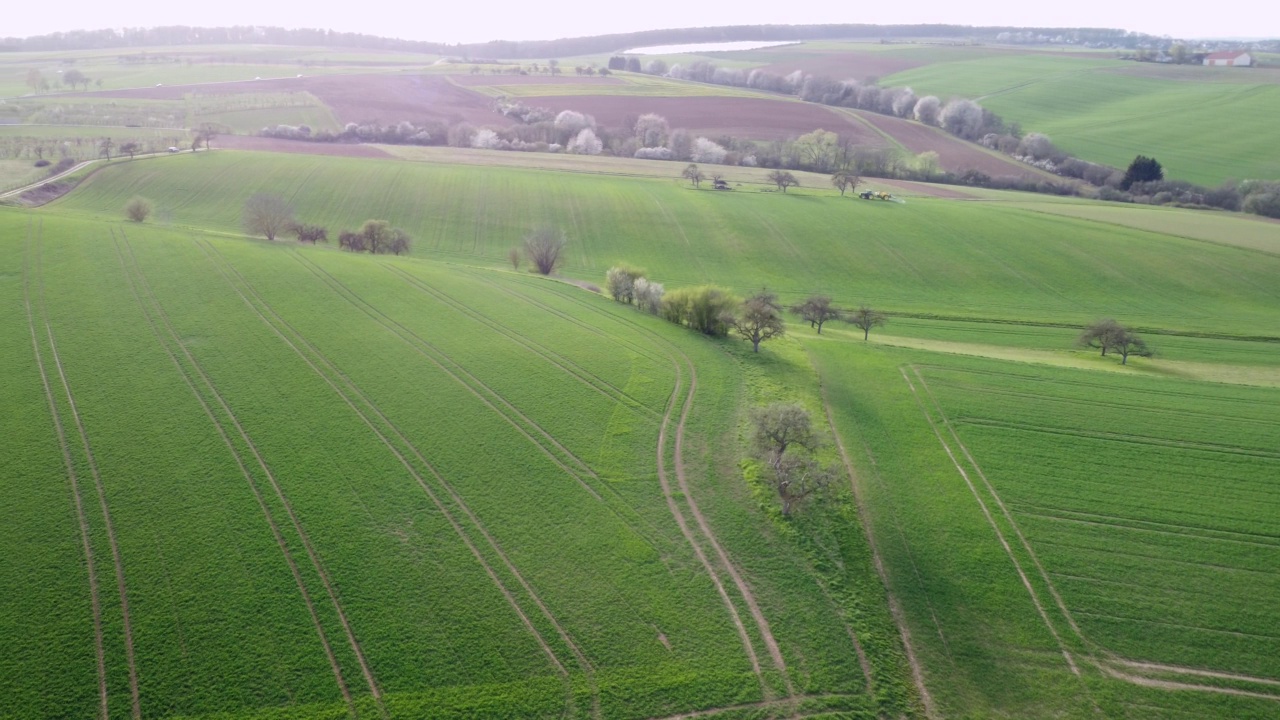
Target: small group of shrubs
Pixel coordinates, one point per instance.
(377, 237)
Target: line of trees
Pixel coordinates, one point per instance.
(271, 215)
(817, 310)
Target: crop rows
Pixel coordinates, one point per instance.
(1054, 459)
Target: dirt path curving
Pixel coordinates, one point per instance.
(86, 546)
(775, 653)
(257, 493)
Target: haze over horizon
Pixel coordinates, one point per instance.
(508, 20)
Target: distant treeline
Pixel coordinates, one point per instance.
(566, 47)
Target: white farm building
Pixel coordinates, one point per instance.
(1229, 59)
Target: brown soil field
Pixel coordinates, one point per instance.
(749, 118)
(357, 98)
(262, 144)
(954, 155)
(484, 80)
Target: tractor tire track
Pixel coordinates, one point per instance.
(587, 667)
(586, 377)
(116, 557)
(735, 575)
(438, 358)
(1026, 582)
(775, 652)
(257, 492)
(307, 545)
(83, 520)
(895, 607)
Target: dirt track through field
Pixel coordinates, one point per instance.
(1109, 659)
(676, 355)
(307, 545)
(586, 666)
(83, 521)
(257, 493)
(116, 557)
(895, 607)
(569, 367)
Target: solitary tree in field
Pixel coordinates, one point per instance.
(693, 175)
(104, 147)
(758, 319)
(845, 180)
(865, 318)
(544, 247)
(1102, 334)
(130, 149)
(513, 257)
(73, 78)
(782, 179)
(816, 310)
(1127, 343)
(267, 214)
(1142, 169)
(783, 438)
(137, 209)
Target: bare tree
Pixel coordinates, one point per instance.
(816, 310)
(784, 439)
(865, 318)
(310, 233)
(1126, 343)
(104, 147)
(782, 179)
(352, 241)
(208, 132)
(513, 257)
(267, 214)
(544, 247)
(137, 209)
(399, 242)
(35, 80)
(73, 78)
(758, 319)
(693, 175)
(1101, 334)
(845, 180)
(130, 149)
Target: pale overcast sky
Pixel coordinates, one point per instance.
(480, 20)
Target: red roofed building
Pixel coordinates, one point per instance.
(1229, 59)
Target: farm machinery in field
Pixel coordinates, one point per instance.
(879, 195)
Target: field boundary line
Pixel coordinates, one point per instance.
(116, 558)
(565, 637)
(284, 501)
(895, 607)
(1109, 657)
(235, 455)
(1136, 528)
(1132, 439)
(748, 597)
(581, 374)
(77, 502)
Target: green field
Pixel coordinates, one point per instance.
(264, 480)
(1108, 111)
(978, 258)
